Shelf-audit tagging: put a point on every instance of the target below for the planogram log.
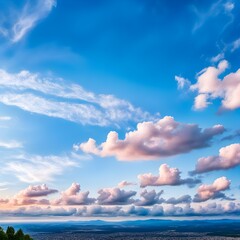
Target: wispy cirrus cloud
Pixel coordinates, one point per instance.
(153, 140)
(26, 18)
(216, 9)
(10, 144)
(37, 168)
(5, 118)
(55, 97)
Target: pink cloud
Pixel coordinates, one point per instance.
(213, 191)
(115, 196)
(73, 196)
(209, 86)
(228, 157)
(124, 184)
(167, 176)
(153, 140)
(36, 191)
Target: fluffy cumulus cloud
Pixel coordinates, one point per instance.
(26, 18)
(149, 198)
(228, 157)
(36, 191)
(73, 196)
(211, 209)
(115, 196)
(167, 176)
(153, 140)
(32, 195)
(180, 200)
(213, 191)
(210, 86)
(50, 96)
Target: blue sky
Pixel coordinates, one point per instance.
(114, 108)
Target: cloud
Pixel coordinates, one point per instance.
(149, 198)
(50, 96)
(153, 140)
(232, 136)
(36, 168)
(182, 82)
(213, 191)
(27, 18)
(211, 209)
(115, 196)
(180, 200)
(235, 45)
(217, 58)
(216, 9)
(11, 144)
(209, 87)
(228, 157)
(167, 176)
(5, 118)
(229, 6)
(38, 211)
(73, 196)
(96, 211)
(36, 191)
(124, 184)
(31, 195)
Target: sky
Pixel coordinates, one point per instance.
(119, 109)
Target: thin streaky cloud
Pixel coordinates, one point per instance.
(31, 13)
(10, 144)
(85, 107)
(5, 118)
(37, 168)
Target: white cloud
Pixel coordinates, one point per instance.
(201, 102)
(27, 18)
(217, 58)
(10, 144)
(214, 10)
(167, 176)
(182, 82)
(153, 140)
(37, 169)
(235, 45)
(209, 86)
(5, 118)
(211, 209)
(36, 94)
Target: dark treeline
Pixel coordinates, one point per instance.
(11, 234)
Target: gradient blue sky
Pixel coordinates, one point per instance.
(74, 70)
